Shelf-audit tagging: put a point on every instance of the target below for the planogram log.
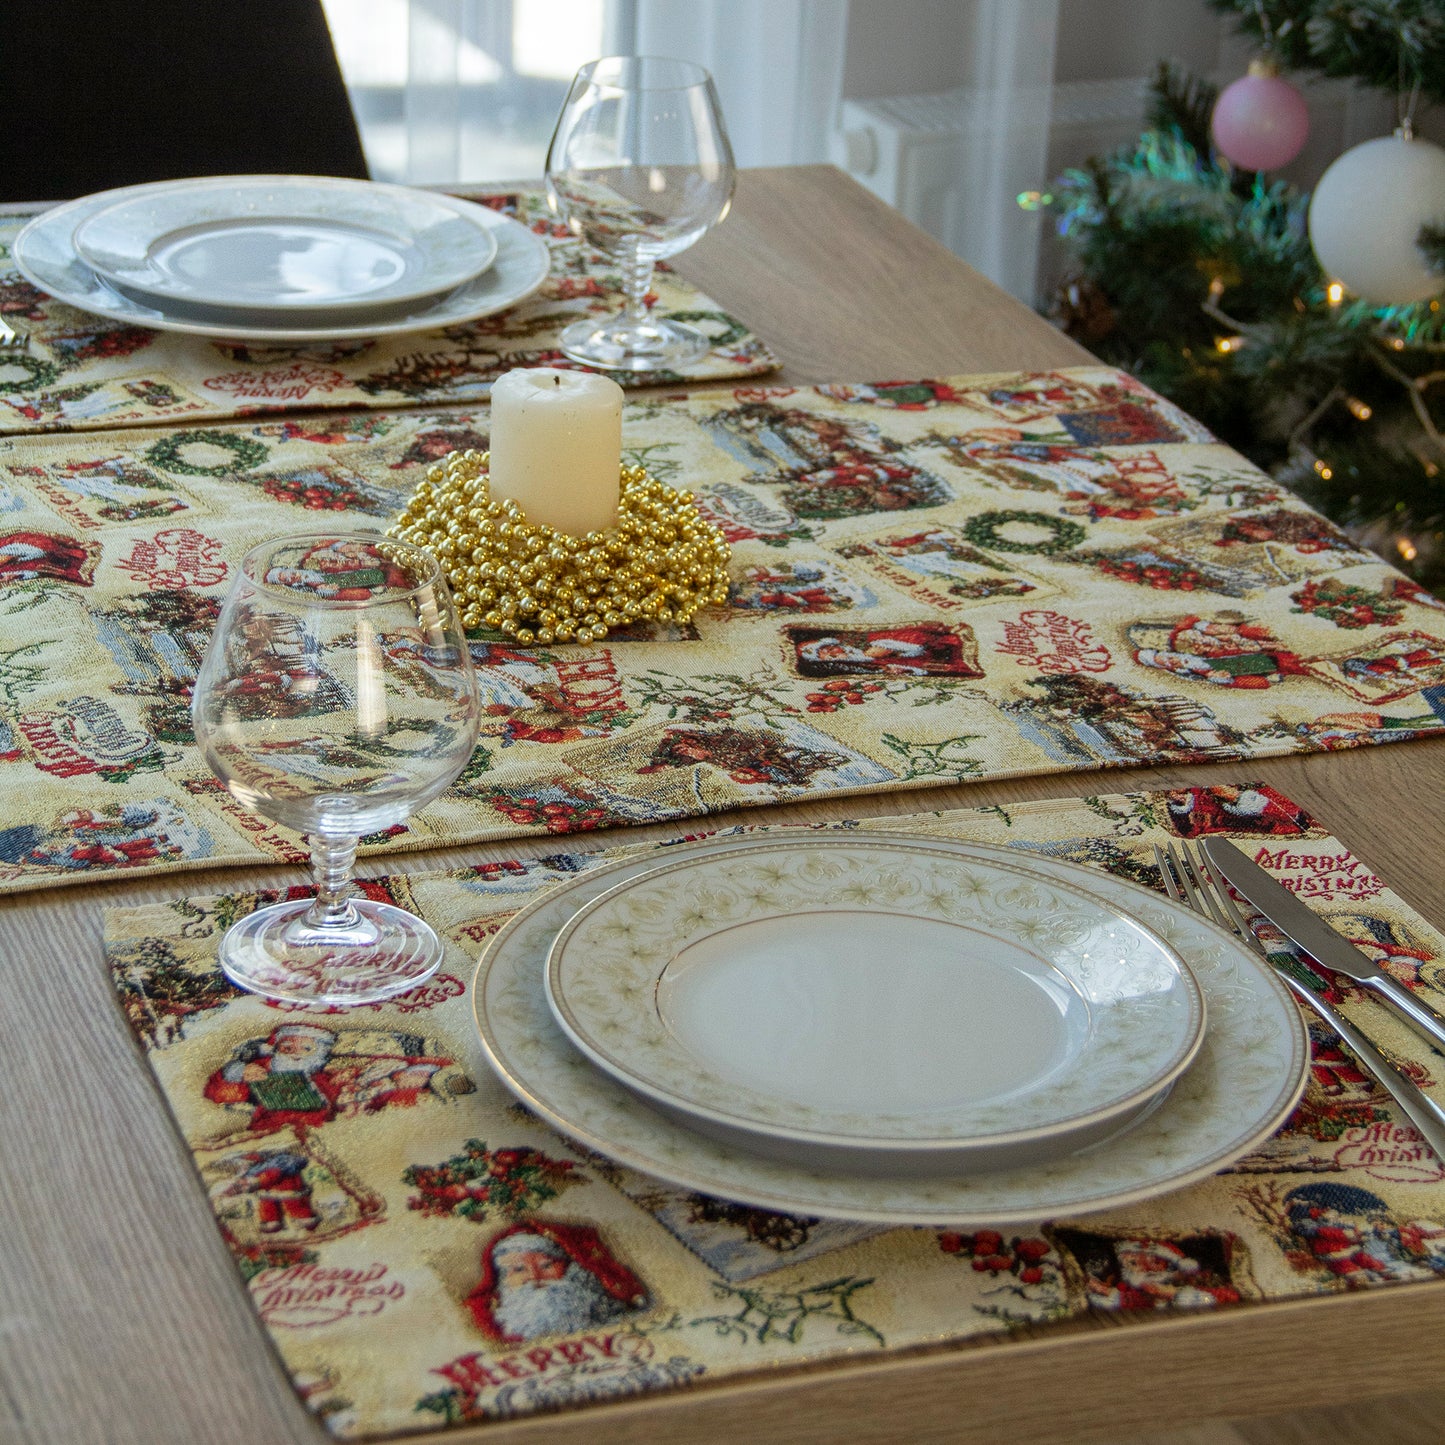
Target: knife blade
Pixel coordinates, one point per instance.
(1319, 940)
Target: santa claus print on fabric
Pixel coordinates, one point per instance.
(545, 1278)
(304, 1075)
(923, 649)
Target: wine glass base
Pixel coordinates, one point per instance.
(651, 345)
(275, 953)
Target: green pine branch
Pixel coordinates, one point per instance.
(1388, 45)
(1182, 103)
(1432, 245)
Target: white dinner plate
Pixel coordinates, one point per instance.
(880, 1005)
(283, 250)
(45, 255)
(1247, 1077)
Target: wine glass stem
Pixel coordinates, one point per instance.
(331, 860)
(636, 281)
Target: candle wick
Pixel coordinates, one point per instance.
(556, 381)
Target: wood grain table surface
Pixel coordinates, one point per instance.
(122, 1319)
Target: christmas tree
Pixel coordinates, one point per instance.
(1198, 275)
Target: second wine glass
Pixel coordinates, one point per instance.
(639, 167)
(337, 697)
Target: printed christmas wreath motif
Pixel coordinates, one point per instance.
(168, 453)
(986, 530)
(38, 372)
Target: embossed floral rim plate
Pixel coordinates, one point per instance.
(1247, 1077)
(882, 1006)
(44, 253)
(287, 247)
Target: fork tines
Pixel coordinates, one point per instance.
(1188, 880)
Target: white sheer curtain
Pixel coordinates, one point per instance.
(778, 66)
(467, 90)
(1002, 150)
(449, 91)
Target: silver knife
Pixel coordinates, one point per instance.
(1319, 940)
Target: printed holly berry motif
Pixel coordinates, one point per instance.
(1165, 576)
(482, 1183)
(101, 345)
(558, 810)
(1349, 606)
(572, 288)
(1025, 1258)
(319, 494)
(252, 1259)
(840, 692)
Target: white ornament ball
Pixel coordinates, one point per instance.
(1366, 215)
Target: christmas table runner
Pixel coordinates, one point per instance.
(372, 1177)
(84, 371)
(931, 581)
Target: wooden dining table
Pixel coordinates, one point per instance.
(122, 1318)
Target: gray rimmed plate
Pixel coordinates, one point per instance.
(877, 1006)
(1247, 1077)
(283, 250)
(45, 255)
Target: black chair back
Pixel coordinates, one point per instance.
(105, 93)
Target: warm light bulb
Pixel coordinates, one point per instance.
(1407, 549)
(1226, 344)
(1335, 292)
(1358, 409)
(1216, 288)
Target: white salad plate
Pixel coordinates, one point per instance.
(1248, 1075)
(284, 249)
(44, 253)
(874, 1004)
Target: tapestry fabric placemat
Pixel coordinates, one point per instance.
(85, 371)
(983, 577)
(368, 1171)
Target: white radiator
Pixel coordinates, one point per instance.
(955, 162)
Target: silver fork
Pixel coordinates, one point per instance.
(1188, 880)
(11, 339)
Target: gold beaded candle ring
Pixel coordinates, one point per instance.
(660, 561)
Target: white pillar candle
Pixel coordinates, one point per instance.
(557, 446)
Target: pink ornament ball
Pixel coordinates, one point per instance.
(1260, 122)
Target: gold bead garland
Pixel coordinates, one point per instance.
(659, 562)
